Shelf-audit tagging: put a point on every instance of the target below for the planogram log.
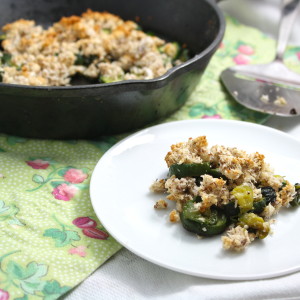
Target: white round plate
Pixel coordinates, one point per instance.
(122, 201)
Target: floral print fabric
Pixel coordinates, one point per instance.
(51, 239)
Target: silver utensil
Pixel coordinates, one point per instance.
(270, 88)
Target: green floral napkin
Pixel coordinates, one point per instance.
(51, 239)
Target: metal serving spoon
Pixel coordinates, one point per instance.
(271, 88)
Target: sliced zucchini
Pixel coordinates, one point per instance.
(244, 196)
(107, 79)
(193, 170)
(107, 30)
(231, 210)
(6, 59)
(259, 206)
(210, 223)
(184, 55)
(296, 199)
(269, 194)
(253, 221)
(84, 60)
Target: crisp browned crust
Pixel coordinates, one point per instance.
(240, 168)
(47, 56)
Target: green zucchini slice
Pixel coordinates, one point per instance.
(193, 170)
(208, 224)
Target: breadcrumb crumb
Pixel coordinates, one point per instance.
(265, 98)
(174, 216)
(280, 101)
(161, 204)
(158, 186)
(237, 239)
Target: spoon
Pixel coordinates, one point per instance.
(270, 88)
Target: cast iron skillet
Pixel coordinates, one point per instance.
(89, 111)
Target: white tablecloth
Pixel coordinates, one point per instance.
(126, 276)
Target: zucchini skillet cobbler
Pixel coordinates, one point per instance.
(222, 189)
(99, 46)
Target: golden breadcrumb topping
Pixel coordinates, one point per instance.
(161, 204)
(174, 216)
(158, 186)
(181, 189)
(213, 191)
(97, 45)
(239, 184)
(237, 239)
